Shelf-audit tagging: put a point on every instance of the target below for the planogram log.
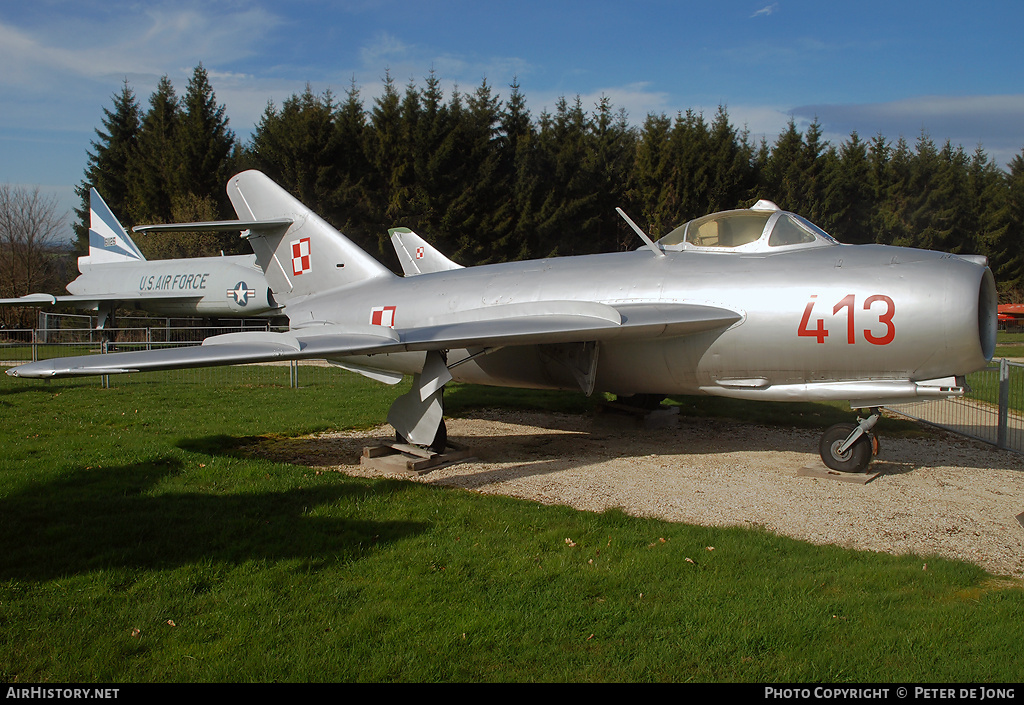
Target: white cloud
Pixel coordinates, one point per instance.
(993, 121)
(767, 10)
(72, 48)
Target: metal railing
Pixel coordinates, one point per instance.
(44, 343)
(992, 411)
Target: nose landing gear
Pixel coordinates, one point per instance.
(848, 447)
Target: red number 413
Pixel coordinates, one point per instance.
(884, 311)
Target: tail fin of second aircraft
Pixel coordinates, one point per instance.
(307, 257)
(417, 255)
(108, 240)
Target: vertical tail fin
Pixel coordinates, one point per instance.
(108, 240)
(309, 256)
(417, 255)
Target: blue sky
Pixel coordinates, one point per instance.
(952, 69)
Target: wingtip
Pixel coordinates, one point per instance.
(32, 370)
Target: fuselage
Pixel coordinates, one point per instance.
(807, 316)
(229, 286)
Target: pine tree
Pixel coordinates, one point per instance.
(690, 168)
(955, 223)
(1007, 251)
(351, 206)
(482, 213)
(849, 193)
(434, 143)
(567, 217)
(891, 219)
(818, 157)
(206, 146)
(651, 188)
(153, 167)
(517, 155)
(923, 202)
(390, 165)
(731, 173)
(298, 147)
(613, 152)
(783, 174)
(109, 161)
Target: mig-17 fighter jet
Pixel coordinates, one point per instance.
(753, 304)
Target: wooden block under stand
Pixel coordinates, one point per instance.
(818, 469)
(402, 457)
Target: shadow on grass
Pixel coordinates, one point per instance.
(101, 518)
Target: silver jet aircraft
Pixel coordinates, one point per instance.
(750, 304)
(116, 273)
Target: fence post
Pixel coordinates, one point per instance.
(104, 379)
(1004, 402)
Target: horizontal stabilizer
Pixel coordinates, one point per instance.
(215, 226)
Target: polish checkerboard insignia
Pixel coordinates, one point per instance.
(383, 316)
(301, 262)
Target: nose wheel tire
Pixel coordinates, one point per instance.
(855, 459)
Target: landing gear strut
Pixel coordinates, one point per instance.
(418, 415)
(849, 447)
(439, 443)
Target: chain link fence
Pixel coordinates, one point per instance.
(992, 411)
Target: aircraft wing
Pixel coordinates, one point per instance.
(496, 326)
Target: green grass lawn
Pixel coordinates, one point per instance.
(141, 542)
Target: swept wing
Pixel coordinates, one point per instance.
(496, 326)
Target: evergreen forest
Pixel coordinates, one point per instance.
(485, 180)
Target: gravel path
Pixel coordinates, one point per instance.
(945, 495)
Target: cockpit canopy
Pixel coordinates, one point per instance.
(763, 228)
